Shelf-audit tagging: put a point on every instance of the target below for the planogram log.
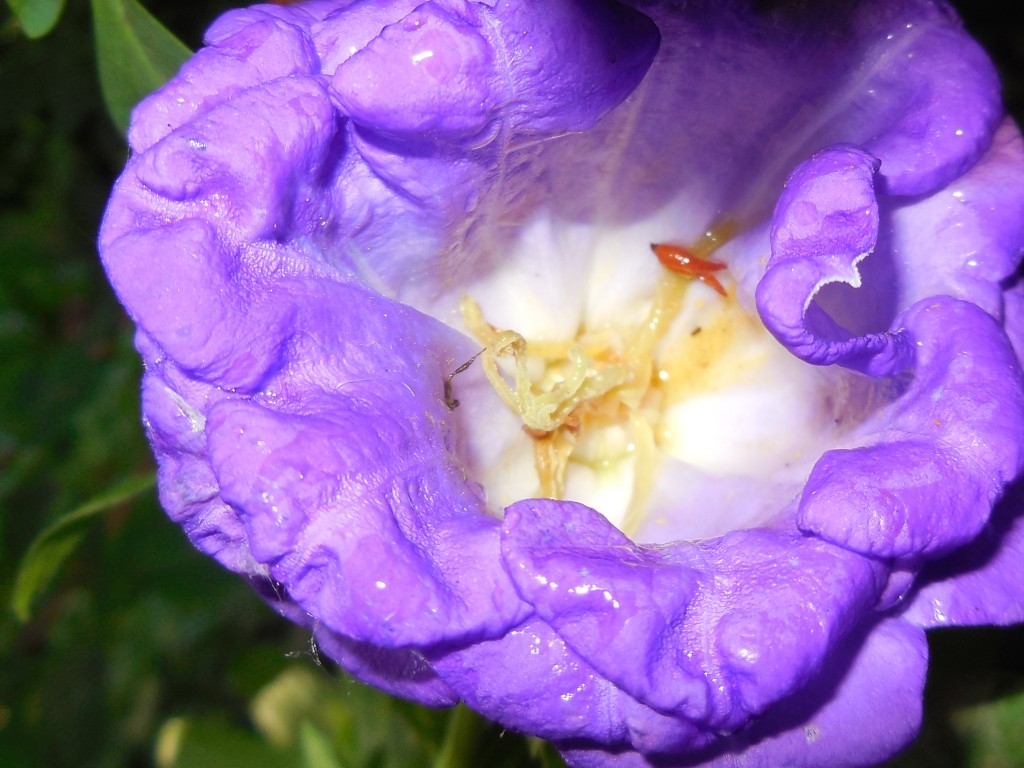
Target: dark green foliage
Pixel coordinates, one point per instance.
(37, 17)
(135, 55)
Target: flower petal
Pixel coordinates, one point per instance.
(188, 489)
(943, 97)
(964, 240)
(448, 71)
(244, 49)
(950, 445)
(431, 76)
(825, 222)
(866, 709)
(209, 203)
(889, 87)
(612, 599)
(712, 632)
(553, 693)
(399, 671)
(351, 489)
(979, 583)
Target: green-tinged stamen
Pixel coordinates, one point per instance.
(590, 384)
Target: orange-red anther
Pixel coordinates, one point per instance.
(677, 259)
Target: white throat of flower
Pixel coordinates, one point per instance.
(604, 399)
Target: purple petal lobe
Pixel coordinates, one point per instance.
(400, 671)
(447, 70)
(641, 615)
(246, 48)
(866, 707)
(551, 692)
(371, 527)
(825, 222)
(966, 238)
(558, 85)
(616, 599)
(431, 74)
(919, 491)
(342, 31)
(944, 93)
(188, 488)
(979, 583)
(210, 203)
(216, 334)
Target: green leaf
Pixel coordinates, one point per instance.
(365, 727)
(54, 543)
(545, 753)
(37, 17)
(465, 727)
(550, 758)
(317, 751)
(211, 742)
(136, 55)
(991, 732)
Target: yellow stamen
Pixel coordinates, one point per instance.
(580, 379)
(587, 384)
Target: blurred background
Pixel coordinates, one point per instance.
(119, 645)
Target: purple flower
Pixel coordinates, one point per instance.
(404, 333)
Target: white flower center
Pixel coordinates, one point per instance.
(679, 399)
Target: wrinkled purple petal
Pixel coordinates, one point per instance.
(826, 221)
(945, 99)
(749, 137)
(244, 50)
(551, 692)
(980, 583)
(961, 241)
(430, 75)
(441, 72)
(878, 677)
(403, 671)
(919, 492)
(616, 603)
(777, 604)
(966, 239)
(332, 509)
